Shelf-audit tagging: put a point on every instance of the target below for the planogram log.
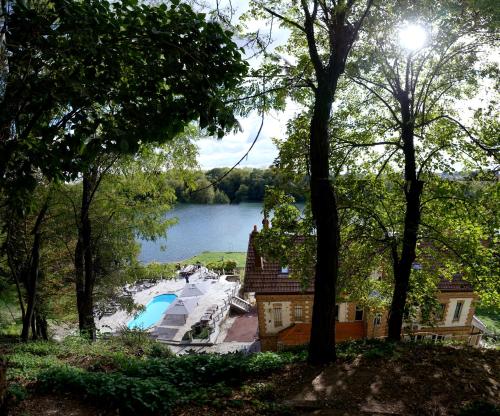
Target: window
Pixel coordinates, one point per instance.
(358, 316)
(336, 312)
(298, 313)
(284, 270)
(458, 311)
(377, 320)
(439, 315)
(278, 321)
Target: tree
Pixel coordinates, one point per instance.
(140, 75)
(220, 197)
(323, 34)
(71, 95)
(117, 200)
(415, 88)
(22, 248)
(241, 194)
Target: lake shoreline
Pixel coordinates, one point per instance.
(206, 257)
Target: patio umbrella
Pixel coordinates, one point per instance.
(182, 307)
(194, 290)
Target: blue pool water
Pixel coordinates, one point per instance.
(153, 313)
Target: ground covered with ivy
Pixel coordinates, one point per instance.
(131, 375)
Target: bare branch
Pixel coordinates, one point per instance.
(284, 19)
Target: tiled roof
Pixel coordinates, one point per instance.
(433, 259)
(264, 275)
(457, 284)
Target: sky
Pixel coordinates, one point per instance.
(228, 150)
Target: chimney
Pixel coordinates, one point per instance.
(258, 261)
(265, 223)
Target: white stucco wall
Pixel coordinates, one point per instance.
(343, 312)
(269, 316)
(451, 311)
(287, 315)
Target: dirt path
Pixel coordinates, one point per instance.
(426, 382)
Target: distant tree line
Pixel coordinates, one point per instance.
(240, 185)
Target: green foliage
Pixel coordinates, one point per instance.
(159, 350)
(130, 395)
(228, 266)
(369, 348)
(10, 314)
(490, 316)
(261, 391)
(208, 257)
(290, 239)
(139, 76)
(26, 366)
(203, 333)
(134, 339)
(240, 185)
(221, 198)
(16, 392)
(152, 385)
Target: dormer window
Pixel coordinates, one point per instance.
(417, 266)
(284, 269)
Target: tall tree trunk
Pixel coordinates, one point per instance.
(34, 331)
(15, 273)
(413, 193)
(41, 325)
(323, 200)
(32, 274)
(324, 209)
(84, 263)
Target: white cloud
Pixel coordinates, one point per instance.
(231, 148)
(227, 151)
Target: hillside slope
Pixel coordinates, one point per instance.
(135, 376)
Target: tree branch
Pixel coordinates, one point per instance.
(284, 19)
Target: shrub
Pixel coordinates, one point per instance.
(228, 266)
(159, 350)
(39, 348)
(135, 340)
(261, 391)
(130, 395)
(146, 385)
(23, 365)
(16, 393)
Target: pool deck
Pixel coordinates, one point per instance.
(218, 293)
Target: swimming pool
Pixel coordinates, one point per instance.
(153, 313)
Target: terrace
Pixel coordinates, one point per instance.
(194, 317)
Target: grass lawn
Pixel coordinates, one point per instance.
(215, 256)
(490, 317)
